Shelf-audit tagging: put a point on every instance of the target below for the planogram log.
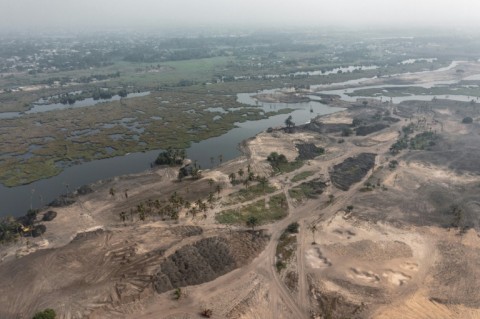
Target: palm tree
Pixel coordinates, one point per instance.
(218, 188)
(232, 177)
(141, 212)
(210, 198)
(288, 122)
(210, 182)
(263, 181)
(313, 228)
(123, 217)
(246, 183)
(193, 211)
(241, 172)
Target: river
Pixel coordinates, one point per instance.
(17, 200)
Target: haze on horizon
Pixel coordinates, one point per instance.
(87, 14)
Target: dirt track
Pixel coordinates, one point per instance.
(393, 255)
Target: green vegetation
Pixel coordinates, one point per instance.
(207, 313)
(277, 209)
(423, 141)
(467, 120)
(347, 132)
(309, 189)
(285, 249)
(252, 221)
(252, 192)
(177, 293)
(171, 157)
(420, 141)
(281, 165)
(185, 76)
(157, 121)
(45, 314)
(293, 228)
(9, 229)
(302, 176)
(393, 164)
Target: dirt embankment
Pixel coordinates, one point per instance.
(207, 259)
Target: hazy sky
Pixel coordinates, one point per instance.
(18, 14)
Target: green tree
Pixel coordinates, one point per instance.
(252, 221)
(210, 182)
(232, 177)
(123, 216)
(45, 314)
(241, 172)
(293, 227)
(177, 293)
(288, 122)
(313, 228)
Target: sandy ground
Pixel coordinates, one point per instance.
(376, 260)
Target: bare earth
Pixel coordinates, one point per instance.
(398, 253)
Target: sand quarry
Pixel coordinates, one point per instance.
(401, 242)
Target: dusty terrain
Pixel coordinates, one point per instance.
(396, 238)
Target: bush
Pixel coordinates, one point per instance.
(49, 216)
(293, 228)
(393, 164)
(46, 314)
(346, 132)
(207, 313)
(39, 230)
(467, 120)
(280, 265)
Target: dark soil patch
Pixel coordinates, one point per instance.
(369, 129)
(352, 170)
(207, 259)
(457, 275)
(309, 151)
(324, 128)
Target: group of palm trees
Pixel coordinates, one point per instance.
(249, 178)
(171, 208)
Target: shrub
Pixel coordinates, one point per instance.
(280, 265)
(207, 313)
(45, 314)
(467, 120)
(293, 228)
(346, 132)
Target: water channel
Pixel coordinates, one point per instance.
(17, 200)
